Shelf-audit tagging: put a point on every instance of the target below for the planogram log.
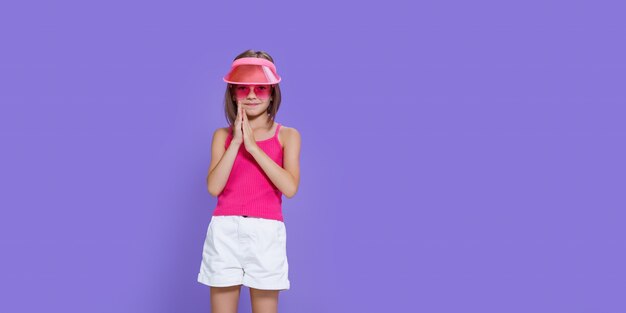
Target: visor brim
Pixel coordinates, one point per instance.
(249, 74)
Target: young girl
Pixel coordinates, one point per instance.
(254, 162)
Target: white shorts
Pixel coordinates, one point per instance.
(245, 250)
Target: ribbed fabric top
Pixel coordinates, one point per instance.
(249, 191)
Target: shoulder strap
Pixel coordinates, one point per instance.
(277, 128)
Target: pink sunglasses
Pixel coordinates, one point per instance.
(261, 91)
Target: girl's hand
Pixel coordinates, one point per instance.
(248, 135)
(237, 133)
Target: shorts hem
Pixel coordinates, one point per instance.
(203, 279)
(267, 286)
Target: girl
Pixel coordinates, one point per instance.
(254, 162)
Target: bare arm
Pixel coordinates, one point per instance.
(285, 179)
(222, 161)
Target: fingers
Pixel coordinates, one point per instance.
(243, 113)
(244, 116)
(244, 120)
(238, 119)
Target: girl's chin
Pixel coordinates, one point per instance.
(252, 112)
(252, 108)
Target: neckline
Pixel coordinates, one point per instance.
(274, 136)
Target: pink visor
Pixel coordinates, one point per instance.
(252, 71)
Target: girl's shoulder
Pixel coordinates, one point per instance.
(220, 135)
(222, 131)
(288, 134)
(287, 130)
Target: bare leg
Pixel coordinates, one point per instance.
(264, 301)
(225, 299)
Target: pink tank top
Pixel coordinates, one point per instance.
(249, 191)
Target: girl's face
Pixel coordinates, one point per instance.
(255, 99)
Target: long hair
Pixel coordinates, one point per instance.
(230, 105)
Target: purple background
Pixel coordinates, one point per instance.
(463, 156)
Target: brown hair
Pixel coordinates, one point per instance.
(230, 106)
